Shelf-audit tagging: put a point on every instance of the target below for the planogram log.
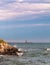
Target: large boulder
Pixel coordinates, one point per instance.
(6, 49)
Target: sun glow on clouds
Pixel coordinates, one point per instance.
(20, 0)
(15, 10)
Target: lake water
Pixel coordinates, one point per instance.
(35, 54)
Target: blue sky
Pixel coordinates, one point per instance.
(22, 20)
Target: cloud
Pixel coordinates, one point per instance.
(22, 26)
(19, 10)
(26, 1)
(19, 0)
(36, 1)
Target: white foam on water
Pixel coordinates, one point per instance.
(19, 54)
(14, 46)
(20, 49)
(48, 49)
(1, 55)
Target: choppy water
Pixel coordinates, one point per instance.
(35, 54)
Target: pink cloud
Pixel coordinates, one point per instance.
(15, 10)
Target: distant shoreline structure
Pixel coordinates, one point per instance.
(25, 41)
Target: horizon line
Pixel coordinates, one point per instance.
(28, 41)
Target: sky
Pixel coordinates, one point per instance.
(22, 20)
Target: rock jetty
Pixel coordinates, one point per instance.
(7, 49)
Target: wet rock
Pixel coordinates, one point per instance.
(6, 49)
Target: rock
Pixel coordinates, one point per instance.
(6, 49)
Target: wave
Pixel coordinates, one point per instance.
(14, 45)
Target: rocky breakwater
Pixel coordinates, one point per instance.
(6, 49)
